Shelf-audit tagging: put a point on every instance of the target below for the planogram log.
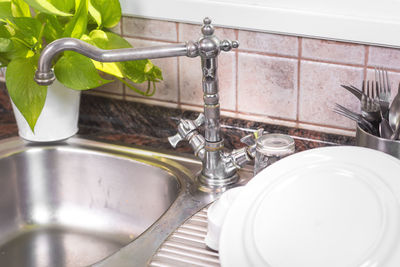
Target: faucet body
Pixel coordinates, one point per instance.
(219, 167)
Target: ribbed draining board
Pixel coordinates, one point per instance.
(186, 246)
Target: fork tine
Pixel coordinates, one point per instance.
(388, 90)
(380, 80)
(376, 82)
(372, 89)
(383, 80)
(363, 87)
(344, 109)
(347, 115)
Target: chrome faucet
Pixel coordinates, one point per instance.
(219, 167)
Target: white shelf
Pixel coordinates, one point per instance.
(373, 22)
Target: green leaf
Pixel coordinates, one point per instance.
(77, 26)
(108, 40)
(27, 26)
(157, 73)
(19, 51)
(53, 29)
(110, 11)
(46, 7)
(27, 95)
(63, 5)
(4, 33)
(27, 30)
(95, 14)
(5, 9)
(136, 71)
(20, 9)
(5, 45)
(77, 72)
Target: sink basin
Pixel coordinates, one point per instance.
(77, 202)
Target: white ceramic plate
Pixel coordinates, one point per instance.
(333, 206)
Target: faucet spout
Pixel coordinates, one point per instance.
(45, 75)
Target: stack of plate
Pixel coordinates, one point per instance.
(330, 207)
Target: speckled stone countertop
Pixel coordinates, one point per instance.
(141, 124)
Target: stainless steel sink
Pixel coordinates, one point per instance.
(83, 202)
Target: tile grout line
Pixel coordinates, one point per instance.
(178, 67)
(237, 74)
(303, 58)
(138, 98)
(300, 43)
(150, 39)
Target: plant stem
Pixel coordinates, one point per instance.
(137, 90)
(40, 41)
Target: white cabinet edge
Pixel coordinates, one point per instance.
(277, 20)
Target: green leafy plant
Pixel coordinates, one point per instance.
(27, 26)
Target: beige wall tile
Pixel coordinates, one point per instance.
(192, 32)
(269, 43)
(267, 85)
(117, 29)
(95, 92)
(191, 76)
(384, 57)
(115, 87)
(333, 51)
(320, 90)
(151, 101)
(148, 28)
(167, 89)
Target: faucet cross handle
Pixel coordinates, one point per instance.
(227, 45)
(251, 139)
(186, 129)
(212, 44)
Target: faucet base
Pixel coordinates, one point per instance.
(218, 183)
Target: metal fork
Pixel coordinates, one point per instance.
(362, 122)
(354, 90)
(370, 108)
(384, 90)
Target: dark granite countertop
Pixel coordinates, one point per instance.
(141, 124)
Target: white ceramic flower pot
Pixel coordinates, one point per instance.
(59, 117)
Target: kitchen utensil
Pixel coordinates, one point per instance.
(394, 111)
(396, 133)
(384, 90)
(366, 125)
(370, 109)
(355, 91)
(385, 130)
(366, 139)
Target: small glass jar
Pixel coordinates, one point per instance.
(271, 148)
